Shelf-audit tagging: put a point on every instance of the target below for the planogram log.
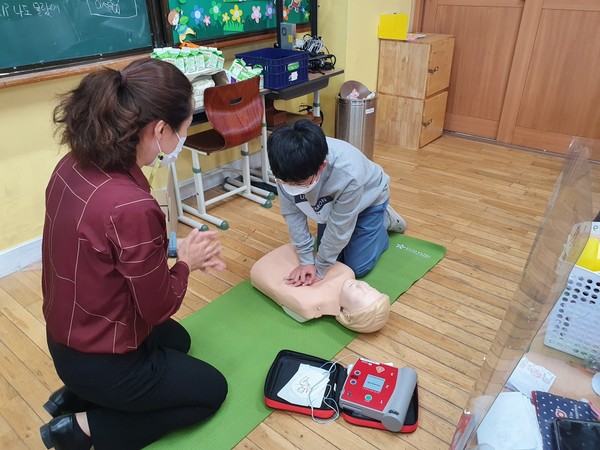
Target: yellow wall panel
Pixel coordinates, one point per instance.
(29, 151)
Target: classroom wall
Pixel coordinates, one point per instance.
(28, 155)
(349, 30)
(30, 152)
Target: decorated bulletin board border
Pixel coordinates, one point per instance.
(199, 20)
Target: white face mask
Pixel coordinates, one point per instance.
(299, 190)
(163, 159)
(169, 158)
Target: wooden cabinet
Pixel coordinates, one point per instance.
(412, 89)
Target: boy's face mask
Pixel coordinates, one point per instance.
(301, 189)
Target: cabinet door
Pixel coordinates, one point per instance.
(439, 65)
(402, 68)
(416, 69)
(432, 122)
(402, 125)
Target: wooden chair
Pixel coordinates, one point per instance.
(235, 112)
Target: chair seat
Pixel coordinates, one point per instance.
(207, 142)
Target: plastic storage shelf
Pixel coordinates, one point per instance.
(281, 68)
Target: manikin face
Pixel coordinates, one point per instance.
(364, 309)
(357, 295)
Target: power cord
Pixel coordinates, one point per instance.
(321, 62)
(308, 109)
(312, 45)
(328, 401)
(319, 56)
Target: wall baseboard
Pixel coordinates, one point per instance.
(21, 256)
(27, 253)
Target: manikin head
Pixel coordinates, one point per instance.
(363, 308)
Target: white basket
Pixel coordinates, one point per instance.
(574, 322)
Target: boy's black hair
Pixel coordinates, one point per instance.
(297, 151)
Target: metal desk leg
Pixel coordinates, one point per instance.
(265, 171)
(316, 104)
(264, 175)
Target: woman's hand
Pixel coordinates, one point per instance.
(303, 275)
(201, 250)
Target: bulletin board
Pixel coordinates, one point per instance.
(216, 20)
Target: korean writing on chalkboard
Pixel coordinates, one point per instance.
(104, 8)
(28, 9)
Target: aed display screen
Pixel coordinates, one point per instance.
(374, 383)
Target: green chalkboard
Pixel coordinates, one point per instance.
(40, 34)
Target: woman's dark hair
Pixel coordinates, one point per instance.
(297, 151)
(101, 119)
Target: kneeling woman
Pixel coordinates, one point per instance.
(109, 293)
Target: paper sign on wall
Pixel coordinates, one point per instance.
(393, 26)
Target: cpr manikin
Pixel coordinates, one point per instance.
(354, 303)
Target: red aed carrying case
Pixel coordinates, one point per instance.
(285, 366)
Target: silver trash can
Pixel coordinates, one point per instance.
(355, 116)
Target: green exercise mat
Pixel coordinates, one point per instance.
(241, 332)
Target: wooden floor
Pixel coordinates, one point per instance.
(483, 202)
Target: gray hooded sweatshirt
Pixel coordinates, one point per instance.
(349, 183)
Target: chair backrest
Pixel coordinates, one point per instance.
(235, 110)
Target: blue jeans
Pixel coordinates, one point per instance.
(368, 241)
